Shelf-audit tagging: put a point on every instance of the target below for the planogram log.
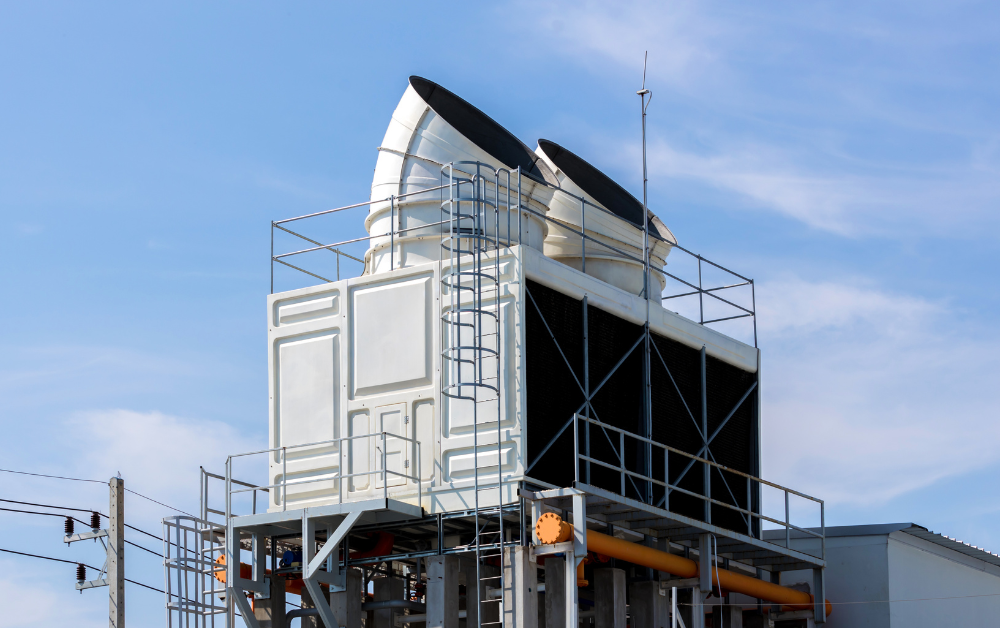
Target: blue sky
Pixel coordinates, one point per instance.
(846, 155)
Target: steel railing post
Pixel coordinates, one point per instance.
(576, 451)
(666, 479)
(621, 459)
(822, 527)
(284, 479)
(788, 530)
(701, 296)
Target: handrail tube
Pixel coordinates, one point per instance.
(711, 500)
(580, 417)
(356, 205)
(550, 528)
(299, 235)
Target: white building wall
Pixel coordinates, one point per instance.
(868, 569)
(920, 570)
(857, 571)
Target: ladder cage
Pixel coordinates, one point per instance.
(474, 195)
(194, 597)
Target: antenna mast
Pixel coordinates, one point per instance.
(647, 378)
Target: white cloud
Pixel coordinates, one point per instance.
(158, 455)
(868, 394)
(683, 47)
(30, 598)
(779, 109)
(908, 202)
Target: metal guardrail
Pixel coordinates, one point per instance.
(626, 474)
(339, 477)
(189, 572)
(706, 292)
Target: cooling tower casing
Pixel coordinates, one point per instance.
(363, 355)
(432, 127)
(616, 255)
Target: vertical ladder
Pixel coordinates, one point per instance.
(471, 343)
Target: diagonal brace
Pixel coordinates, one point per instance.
(244, 607)
(311, 572)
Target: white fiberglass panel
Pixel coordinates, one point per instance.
(391, 339)
(307, 389)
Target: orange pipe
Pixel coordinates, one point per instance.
(550, 528)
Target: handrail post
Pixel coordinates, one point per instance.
(749, 510)
(583, 235)
(621, 460)
(788, 530)
(340, 471)
(822, 526)
(385, 474)
(701, 296)
(519, 205)
(576, 452)
(284, 479)
(666, 479)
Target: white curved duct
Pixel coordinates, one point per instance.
(620, 227)
(431, 127)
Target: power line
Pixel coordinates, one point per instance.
(73, 562)
(160, 503)
(11, 501)
(58, 560)
(143, 531)
(86, 523)
(60, 477)
(57, 477)
(915, 599)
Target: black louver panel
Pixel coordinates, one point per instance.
(553, 395)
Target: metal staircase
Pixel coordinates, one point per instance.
(474, 196)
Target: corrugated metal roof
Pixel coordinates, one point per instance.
(953, 544)
(912, 529)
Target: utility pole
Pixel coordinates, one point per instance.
(113, 573)
(116, 555)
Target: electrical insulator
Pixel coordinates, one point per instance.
(81, 572)
(69, 526)
(95, 521)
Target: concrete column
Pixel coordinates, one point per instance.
(385, 589)
(520, 581)
(442, 592)
(609, 598)
(270, 613)
(649, 605)
(476, 590)
(346, 605)
(727, 617)
(819, 596)
(467, 578)
(555, 592)
(690, 605)
(307, 602)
